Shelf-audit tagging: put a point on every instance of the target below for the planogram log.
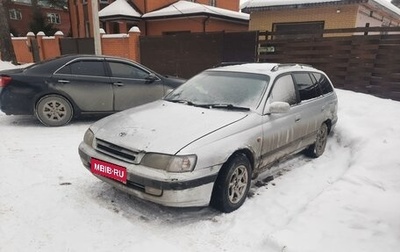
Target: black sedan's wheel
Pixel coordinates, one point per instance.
(232, 185)
(54, 110)
(317, 149)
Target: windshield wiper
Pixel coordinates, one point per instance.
(223, 106)
(211, 105)
(181, 101)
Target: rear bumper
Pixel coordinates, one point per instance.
(168, 189)
(12, 104)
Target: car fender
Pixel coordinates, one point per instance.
(214, 149)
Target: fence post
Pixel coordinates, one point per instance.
(134, 45)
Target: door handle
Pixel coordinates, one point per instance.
(63, 81)
(118, 84)
(297, 118)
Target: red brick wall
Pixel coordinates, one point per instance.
(21, 27)
(152, 5)
(115, 46)
(49, 47)
(126, 46)
(22, 51)
(224, 4)
(193, 25)
(79, 19)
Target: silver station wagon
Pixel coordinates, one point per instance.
(204, 142)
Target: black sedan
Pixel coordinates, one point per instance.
(57, 90)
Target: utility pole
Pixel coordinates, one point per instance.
(96, 27)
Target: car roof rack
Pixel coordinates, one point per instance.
(231, 63)
(276, 67)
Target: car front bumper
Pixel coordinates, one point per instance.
(169, 189)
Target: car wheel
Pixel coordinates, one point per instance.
(54, 110)
(317, 149)
(232, 185)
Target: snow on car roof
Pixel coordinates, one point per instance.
(260, 68)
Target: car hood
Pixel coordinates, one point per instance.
(162, 127)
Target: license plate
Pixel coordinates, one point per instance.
(108, 170)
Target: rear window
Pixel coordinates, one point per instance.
(323, 83)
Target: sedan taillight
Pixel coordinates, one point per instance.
(4, 80)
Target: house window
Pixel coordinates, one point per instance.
(213, 2)
(296, 30)
(15, 14)
(53, 18)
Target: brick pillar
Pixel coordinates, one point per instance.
(58, 35)
(29, 43)
(134, 46)
(122, 27)
(102, 33)
(39, 37)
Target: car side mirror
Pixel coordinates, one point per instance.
(279, 107)
(151, 78)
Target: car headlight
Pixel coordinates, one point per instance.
(88, 137)
(170, 163)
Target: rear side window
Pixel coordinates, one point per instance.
(307, 85)
(323, 83)
(89, 68)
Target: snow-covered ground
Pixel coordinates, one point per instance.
(346, 200)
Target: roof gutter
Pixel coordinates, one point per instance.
(205, 23)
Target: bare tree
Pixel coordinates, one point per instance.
(6, 48)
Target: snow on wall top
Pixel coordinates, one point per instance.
(387, 5)
(119, 8)
(271, 3)
(185, 7)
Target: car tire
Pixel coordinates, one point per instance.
(317, 149)
(54, 110)
(232, 184)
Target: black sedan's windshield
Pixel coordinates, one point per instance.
(210, 88)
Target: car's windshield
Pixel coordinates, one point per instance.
(222, 88)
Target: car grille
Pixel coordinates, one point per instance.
(117, 151)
